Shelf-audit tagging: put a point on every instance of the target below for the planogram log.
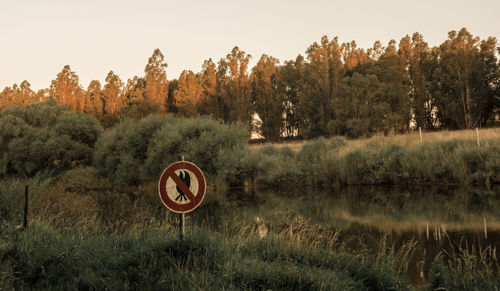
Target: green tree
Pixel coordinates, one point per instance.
(465, 80)
(267, 98)
(417, 56)
(291, 76)
(391, 71)
(360, 106)
(173, 85)
(324, 72)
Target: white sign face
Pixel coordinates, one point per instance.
(189, 178)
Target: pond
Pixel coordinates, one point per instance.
(428, 221)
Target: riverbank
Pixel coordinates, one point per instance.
(107, 239)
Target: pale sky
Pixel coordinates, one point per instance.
(39, 37)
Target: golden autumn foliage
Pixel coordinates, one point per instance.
(66, 90)
(156, 87)
(334, 89)
(189, 94)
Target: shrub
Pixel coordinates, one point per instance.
(133, 152)
(45, 136)
(313, 161)
(277, 167)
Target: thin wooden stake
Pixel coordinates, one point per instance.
(420, 131)
(485, 228)
(477, 134)
(26, 205)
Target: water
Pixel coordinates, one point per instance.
(434, 220)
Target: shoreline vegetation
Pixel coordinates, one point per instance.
(96, 221)
(46, 137)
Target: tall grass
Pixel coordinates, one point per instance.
(443, 159)
(42, 258)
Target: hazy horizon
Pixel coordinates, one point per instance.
(40, 37)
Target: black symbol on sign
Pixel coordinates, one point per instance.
(186, 178)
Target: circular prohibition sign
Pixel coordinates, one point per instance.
(182, 187)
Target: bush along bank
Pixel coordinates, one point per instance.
(134, 152)
(46, 137)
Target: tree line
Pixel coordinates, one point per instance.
(334, 89)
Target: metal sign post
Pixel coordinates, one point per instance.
(182, 220)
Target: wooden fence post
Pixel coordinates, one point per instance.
(26, 206)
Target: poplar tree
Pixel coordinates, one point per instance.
(324, 72)
(292, 87)
(94, 103)
(208, 79)
(156, 90)
(236, 89)
(66, 89)
(417, 56)
(353, 56)
(112, 94)
(269, 103)
(17, 95)
(135, 92)
(467, 79)
(189, 94)
(391, 72)
(360, 107)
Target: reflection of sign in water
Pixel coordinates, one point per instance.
(182, 187)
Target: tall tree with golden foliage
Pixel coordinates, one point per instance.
(112, 94)
(189, 94)
(66, 90)
(94, 103)
(208, 80)
(135, 91)
(41, 95)
(156, 80)
(17, 95)
(236, 89)
(6, 97)
(353, 56)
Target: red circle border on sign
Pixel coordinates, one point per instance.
(168, 173)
